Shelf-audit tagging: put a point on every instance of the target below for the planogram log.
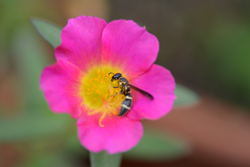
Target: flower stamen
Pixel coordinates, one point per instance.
(100, 96)
(102, 117)
(93, 112)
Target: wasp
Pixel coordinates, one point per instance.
(124, 85)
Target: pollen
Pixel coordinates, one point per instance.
(99, 95)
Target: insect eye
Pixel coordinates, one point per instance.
(117, 76)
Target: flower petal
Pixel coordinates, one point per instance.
(129, 46)
(81, 41)
(160, 83)
(59, 83)
(117, 135)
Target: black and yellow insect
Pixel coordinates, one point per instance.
(124, 85)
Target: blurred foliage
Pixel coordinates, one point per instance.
(155, 146)
(31, 126)
(229, 47)
(203, 43)
(29, 61)
(185, 96)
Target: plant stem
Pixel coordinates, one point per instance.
(103, 159)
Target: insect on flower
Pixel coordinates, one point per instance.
(99, 67)
(124, 85)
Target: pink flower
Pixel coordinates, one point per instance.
(79, 84)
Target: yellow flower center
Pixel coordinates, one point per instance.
(98, 92)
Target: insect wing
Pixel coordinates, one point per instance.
(142, 92)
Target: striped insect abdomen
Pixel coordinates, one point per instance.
(126, 104)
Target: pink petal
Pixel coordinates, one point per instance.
(81, 41)
(160, 83)
(129, 47)
(117, 135)
(59, 83)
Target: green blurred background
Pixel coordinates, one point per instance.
(205, 44)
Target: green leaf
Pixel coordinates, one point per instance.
(30, 127)
(103, 159)
(49, 31)
(29, 55)
(155, 146)
(185, 96)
